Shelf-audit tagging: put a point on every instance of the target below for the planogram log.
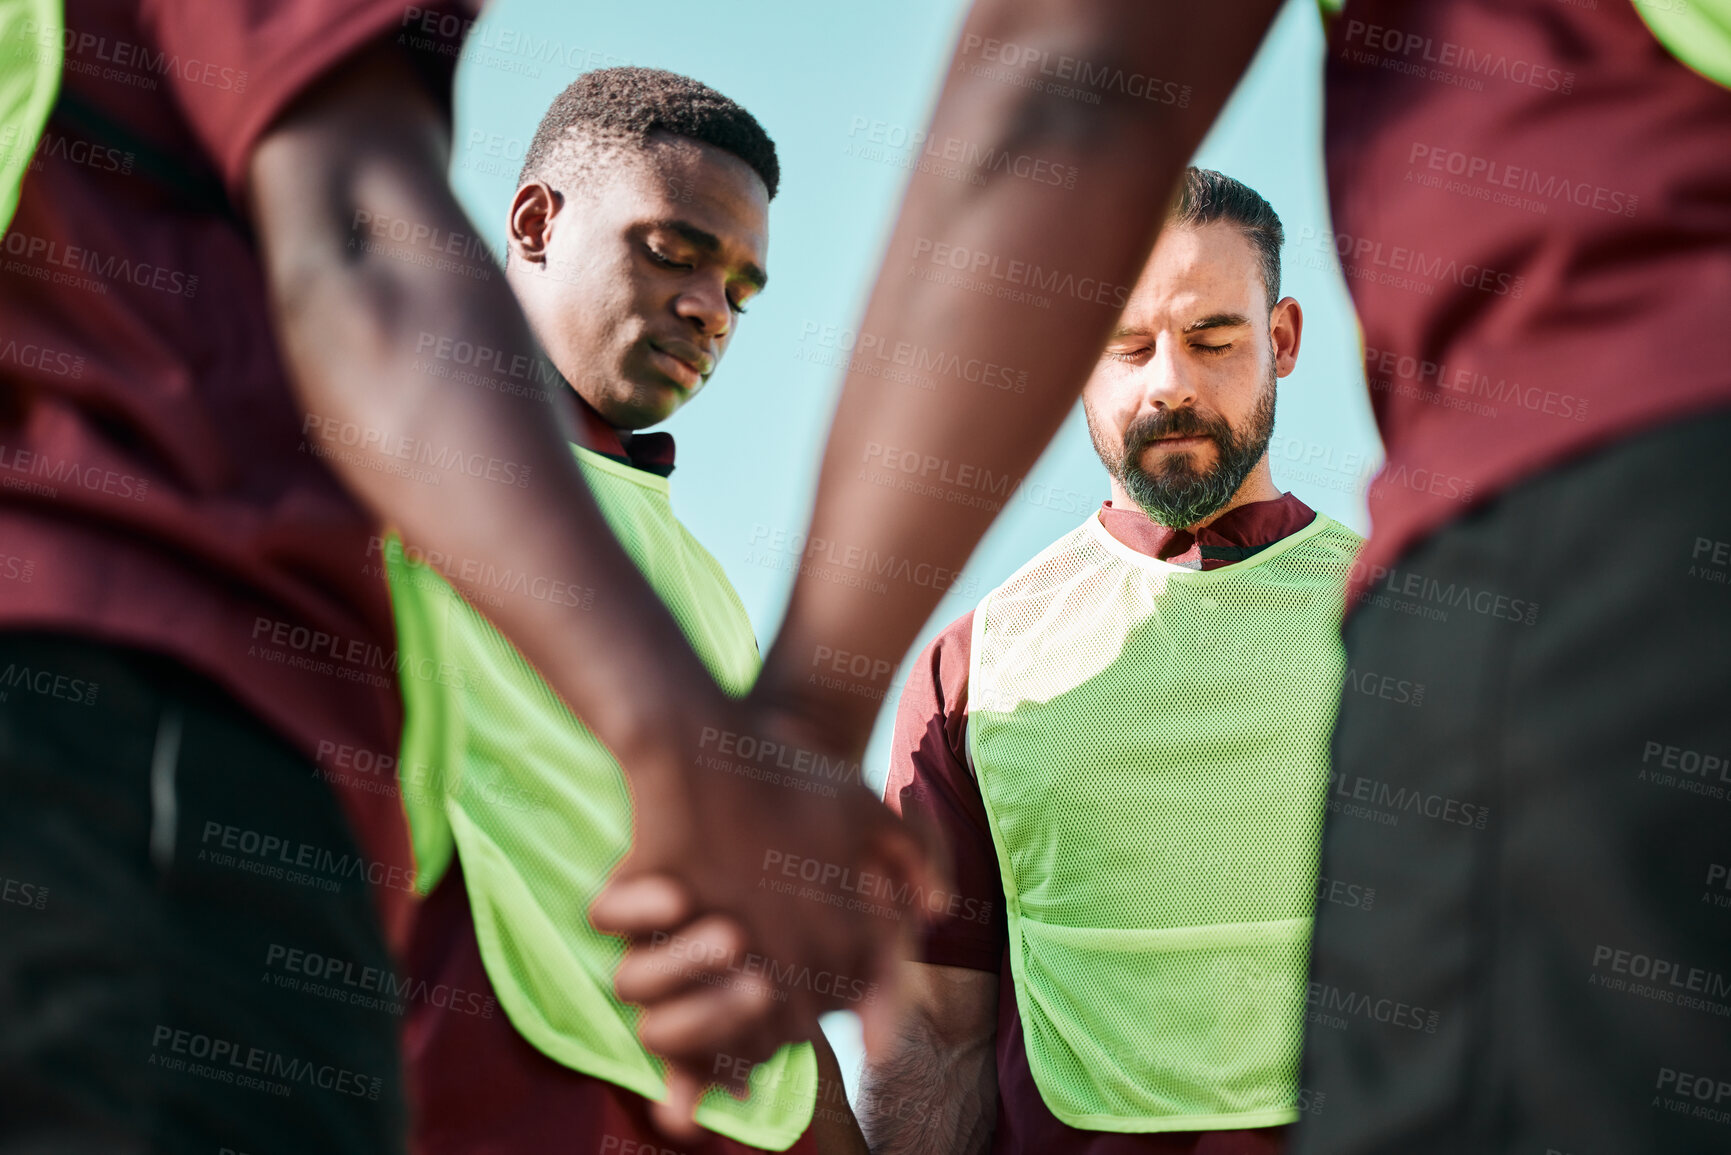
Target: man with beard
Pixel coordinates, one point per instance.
(1126, 749)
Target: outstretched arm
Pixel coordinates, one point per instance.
(991, 266)
(1006, 270)
(356, 313)
(352, 313)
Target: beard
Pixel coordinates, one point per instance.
(1176, 493)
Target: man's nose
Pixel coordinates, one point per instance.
(704, 304)
(1165, 379)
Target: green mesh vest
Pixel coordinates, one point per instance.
(1151, 743)
(494, 765)
(30, 55)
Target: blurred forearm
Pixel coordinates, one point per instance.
(1160, 70)
(354, 314)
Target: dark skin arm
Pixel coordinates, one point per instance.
(350, 319)
(1129, 153)
(370, 140)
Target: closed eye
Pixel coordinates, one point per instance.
(1212, 349)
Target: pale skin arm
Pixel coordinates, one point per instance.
(934, 1089)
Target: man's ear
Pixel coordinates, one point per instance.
(532, 212)
(1285, 333)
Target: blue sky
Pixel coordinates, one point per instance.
(818, 75)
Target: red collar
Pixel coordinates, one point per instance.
(1232, 537)
(650, 452)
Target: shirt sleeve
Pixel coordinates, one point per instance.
(233, 66)
(930, 785)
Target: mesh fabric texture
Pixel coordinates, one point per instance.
(1152, 746)
(494, 764)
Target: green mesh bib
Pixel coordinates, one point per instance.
(1697, 32)
(494, 765)
(30, 55)
(1152, 746)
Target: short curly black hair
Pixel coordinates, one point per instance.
(613, 107)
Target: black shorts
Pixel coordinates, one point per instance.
(168, 983)
(1523, 935)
